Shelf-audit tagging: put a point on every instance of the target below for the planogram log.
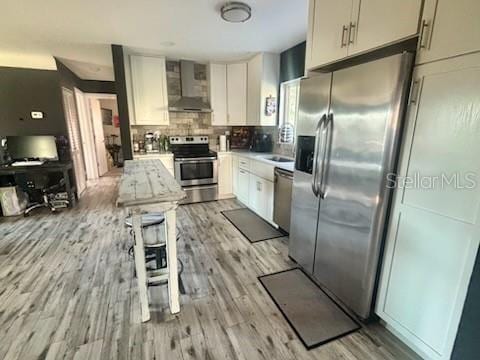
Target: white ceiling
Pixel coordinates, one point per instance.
(81, 31)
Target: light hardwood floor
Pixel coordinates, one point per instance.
(67, 291)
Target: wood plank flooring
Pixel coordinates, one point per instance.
(67, 291)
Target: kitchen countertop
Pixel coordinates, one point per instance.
(147, 182)
(289, 166)
(244, 153)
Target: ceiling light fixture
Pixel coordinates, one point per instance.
(236, 12)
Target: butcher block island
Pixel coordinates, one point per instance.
(149, 191)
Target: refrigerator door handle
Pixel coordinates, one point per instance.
(326, 157)
(315, 187)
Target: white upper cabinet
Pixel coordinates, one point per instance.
(341, 28)
(328, 22)
(254, 89)
(263, 81)
(382, 22)
(237, 94)
(449, 28)
(218, 93)
(149, 86)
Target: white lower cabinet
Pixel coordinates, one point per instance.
(254, 193)
(225, 176)
(266, 209)
(234, 174)
(243, 186)
(260, 197)
(434, 229)
(253, 185)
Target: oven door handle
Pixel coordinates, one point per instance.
(195, 159)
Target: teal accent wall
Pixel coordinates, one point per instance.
(467, 343)
(292, 62)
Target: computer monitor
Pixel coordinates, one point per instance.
(32, 147)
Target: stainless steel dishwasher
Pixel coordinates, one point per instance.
(282, 198)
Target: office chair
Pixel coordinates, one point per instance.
(51, 198)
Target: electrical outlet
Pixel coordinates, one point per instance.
(37, 115)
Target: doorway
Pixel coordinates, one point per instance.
(100, 133)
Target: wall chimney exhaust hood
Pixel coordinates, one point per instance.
(191, 101)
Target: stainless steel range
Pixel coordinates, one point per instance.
(195, 167)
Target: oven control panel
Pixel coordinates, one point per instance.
(189, 139)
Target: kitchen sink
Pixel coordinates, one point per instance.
(279, 159)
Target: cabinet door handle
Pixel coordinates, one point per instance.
(259, 186)
(351, 30)
(344, 31)
(424, 34)
(415, 92)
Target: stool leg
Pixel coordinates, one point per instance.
(163, 256)
(140, 266)
(171, 237)
(158, 258)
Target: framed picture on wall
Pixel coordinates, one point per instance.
(107, 117)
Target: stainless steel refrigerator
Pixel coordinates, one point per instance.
(347, 140)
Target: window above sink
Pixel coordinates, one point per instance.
(289, 96)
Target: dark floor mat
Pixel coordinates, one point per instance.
(252, 226)
(314, 317)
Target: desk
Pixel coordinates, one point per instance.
(147, 185)
(64, 168)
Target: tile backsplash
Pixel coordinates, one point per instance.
(192, 123)
(281, 149)
(185, 123)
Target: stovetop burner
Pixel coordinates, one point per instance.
(194, 155)
(191, 147)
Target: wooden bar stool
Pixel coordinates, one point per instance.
(149, 233)
(155, 245)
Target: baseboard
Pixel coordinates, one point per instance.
(226, 196)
